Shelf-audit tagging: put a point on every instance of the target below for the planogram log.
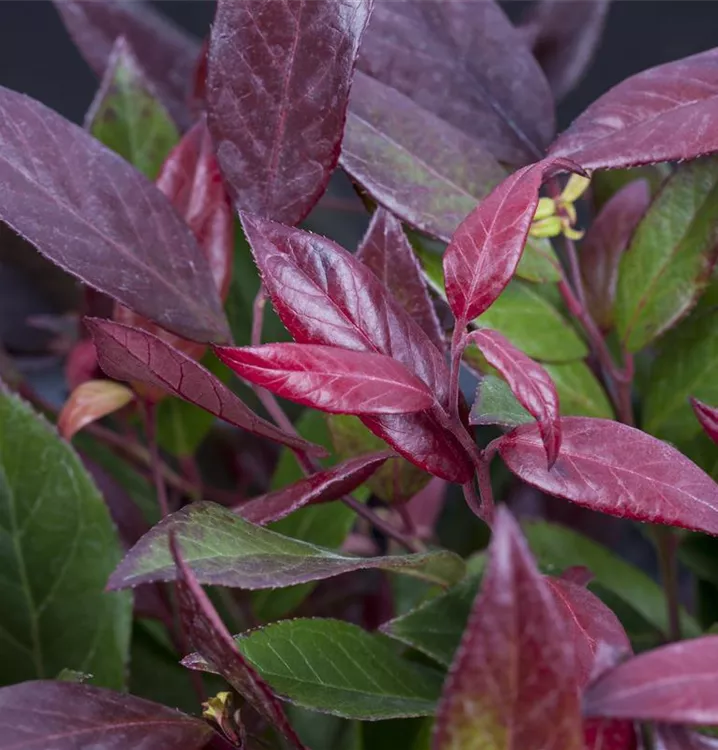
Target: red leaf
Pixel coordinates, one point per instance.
(50, 715)
(135, 355)
(486, 248)
(385, 249)
(616, 469)
(322, 487)
(89, 402)
(676, 684)
(314, 286)
(278, 79)
(338, 381)
(451, 58)
(208, 635)
(165, 51)
(668, 737)
(708, 417)
(564, 36)
(94, 215)
(609, 734)
(665, 113)
(605, 243)
(512, 685)
(529, 382)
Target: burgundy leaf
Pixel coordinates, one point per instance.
(677, 684)
(605, 243)
(94, 215)
(466, 63)
(338, 381)
(314, 286)
(609, 734)
(529, 382)
(708, 417)
(50, 715)
(669, 737)
(665, 113)
(208, 635)
(616, 469)
(512, 684)
(385, 249)
(278, 78)
(135, 355)
(167, 53)
(322, 487)
(486, 248)
(564, 36)
(417, 165)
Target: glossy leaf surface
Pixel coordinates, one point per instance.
(662, 114)
(223, 549)
(334, 380)
(92, 214)
(70, 716)
(278, 77)
(670, 258)
(514, 656)
(616, 469)
(335, 667)
(89, 402)
(708, 418)
(135, 355)
(58, 546)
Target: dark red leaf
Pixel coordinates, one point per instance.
(94, 215)
(486, 248)
(50, 715)
(385, 249)
(314, 286)
(666, 113)
(322, 487)
(167, 53)
(564, 36)
(708, 417)
(135, 355)
(604, 244)
(208, 635)
(609, 734)
(512, 684)
(616, 469)
(676, 684)
(278, 79)
(466, 63)
(338, 381)
(668, 737)
(529, 382)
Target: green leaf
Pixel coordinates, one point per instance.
(579, 392)
(539, 263)
(557, 547)
(57, 549)
(337, 668)
(128, 117)
(685, 365)
(607, 182)
(668, 263)
(495, 403)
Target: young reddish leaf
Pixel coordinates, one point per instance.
(512, 684)
(708, 417)
(322, 487)
(338, 381)
(89, 402)
(278, 78)
(451, 58)
(167, 53)
(529, 382)
(135, 355)
(666, 113)
(94, 215)
(564, 36)
(676, 684)
(208, 635)
(54, 715)
(313, 285)
(670, 737)
(604, 244)
(385, 249)
(616, 469)
(486, 248)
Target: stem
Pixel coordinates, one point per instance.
(474, 501)
(486, 491)
(575, 270)
(457, 348)
(666, 546)
(150, 413)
